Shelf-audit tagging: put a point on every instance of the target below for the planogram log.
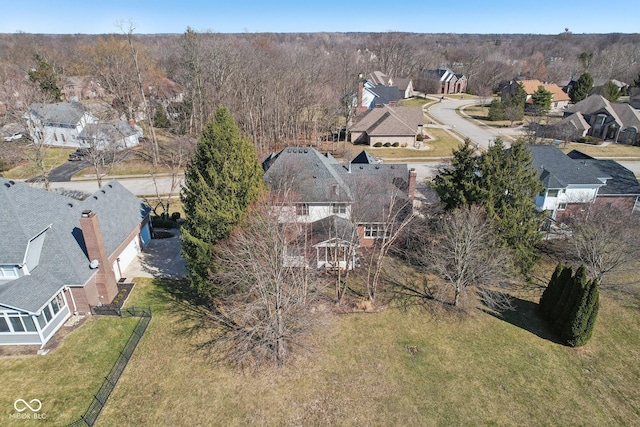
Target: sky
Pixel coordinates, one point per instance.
(255, 16)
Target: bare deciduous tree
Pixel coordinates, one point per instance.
(605, 239)
(459, 247)
(261, 310)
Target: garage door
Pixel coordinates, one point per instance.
(126, 256)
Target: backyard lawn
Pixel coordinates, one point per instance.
(395, 367)
(54, 157)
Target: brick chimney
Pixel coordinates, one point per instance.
(105, 280)
(412, 183)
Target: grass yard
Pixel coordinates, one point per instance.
(441, 145)
(477, 370)
(615, 151)
(416, 102)
(54, 157)
(65, 379)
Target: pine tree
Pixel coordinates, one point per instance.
(457, 185)
(580, 329)
(46, 76)
(161, 120)
(559, 306)
(611, 91)
(542, 99)
(221, 180)
(551, 292)
(577, 285)
(496, 110)
(582, 88)
(510, 185)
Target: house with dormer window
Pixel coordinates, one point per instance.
(60, 256)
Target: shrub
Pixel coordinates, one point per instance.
(387, 144)
(419, 137)
(158, 222)
(378, 144)
(396, 144)
(175, 216)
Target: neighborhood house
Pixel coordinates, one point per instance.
(340, 205)
(60, 256)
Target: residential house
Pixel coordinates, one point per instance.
(371, 95)
(575, 180)
(118, 134)
(598, 84)
(388, 124)
(608, 121)
(60, 256)
(443, 81)
(621, 188)
(634, 97)
(559, 99)
(69, 124)
(404, 85)
(77, 88)
(568, 184)
(339, 205)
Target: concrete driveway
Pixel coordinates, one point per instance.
(445, 112)
(160, 259)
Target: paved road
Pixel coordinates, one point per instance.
(139, 186)
(65, 171)
(445, 112)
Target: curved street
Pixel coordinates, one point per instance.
(445, 112)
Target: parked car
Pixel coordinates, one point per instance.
(16, 136)
(79, 154)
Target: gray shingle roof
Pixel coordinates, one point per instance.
(557, 170)
(620, 180)
(60, 113)
(63, 261)
(113, 131)
(312, 176)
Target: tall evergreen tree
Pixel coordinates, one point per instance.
(161, 120)
(582, 88)
(496, 110)
(221, 180)
(551, 292)
(457, 185)
(46, 76)
(510, 185)
(611, 91)
(575, 287)
(582, 324)
(542, 100)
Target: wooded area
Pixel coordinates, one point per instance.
(287, 89)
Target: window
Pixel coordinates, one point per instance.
(552, 193)
(338, 208)
(562, 206)
(55, 136)
(4, 327)
(302, 209)
(16, 323)
(63, 138)
(46, 312)
(7, 271)
(374, 231)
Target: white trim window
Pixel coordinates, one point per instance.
(375, 231)
(13, 322)
(562, 206)
(338, 208)
(302, 209)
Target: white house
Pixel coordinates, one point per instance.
(69, 124)
(568, 184)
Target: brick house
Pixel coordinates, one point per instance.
(61, 255)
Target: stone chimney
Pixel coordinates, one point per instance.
(412, 183)
(105, 279)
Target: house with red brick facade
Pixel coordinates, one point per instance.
(60, 255)
(339, 205)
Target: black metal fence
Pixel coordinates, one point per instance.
(100, 398)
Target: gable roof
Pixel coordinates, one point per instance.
(111, 131)
(63, 261)
(532, 86)
(390, 121)
(59, 113)
(383, 95)
(557, 170)
(620, 181)
(366, 158)
(594, 104)
(317, 178)
(628, 115)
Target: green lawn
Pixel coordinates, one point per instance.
(54, 157)
(477, 370)
(472, 370)
(65, 379)
(440, 146)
